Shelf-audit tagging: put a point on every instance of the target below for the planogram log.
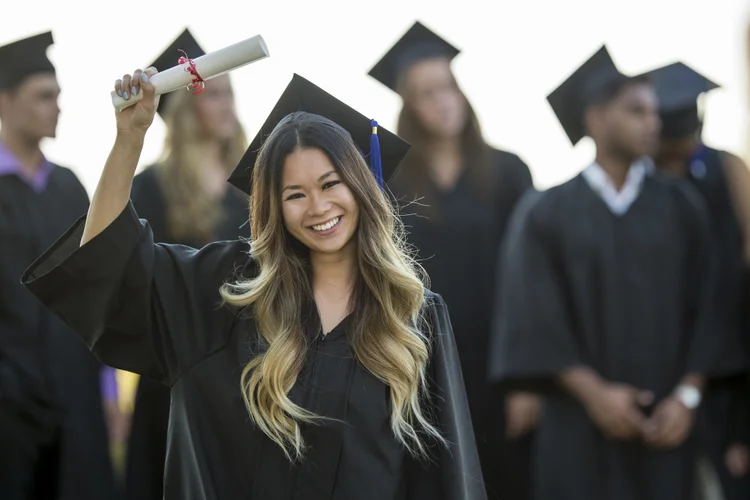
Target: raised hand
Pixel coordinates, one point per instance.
(138, 117)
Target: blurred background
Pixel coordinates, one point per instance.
(513, 55)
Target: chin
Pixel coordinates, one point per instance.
(50, 132)
(331, 247)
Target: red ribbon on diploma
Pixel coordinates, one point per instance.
(198, 84)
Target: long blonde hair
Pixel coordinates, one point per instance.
(389, 336)
(414, 170)
(192, 212)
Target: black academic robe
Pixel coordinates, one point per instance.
(155, 309)
(147, 446)
(458, 249)
(630, 296)
(50, 402)
(723, 413)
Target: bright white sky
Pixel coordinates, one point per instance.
(513, 55)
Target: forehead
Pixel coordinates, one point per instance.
(305, 165)
(642, 93)
(428, 71)
(40, 83)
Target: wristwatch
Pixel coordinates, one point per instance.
(688, 395)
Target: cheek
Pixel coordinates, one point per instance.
(456, 113)
(423, 110)
(51, 111)
(352, 206)
(38, 116)
(460, 108)
(636, 126)
(288, 214)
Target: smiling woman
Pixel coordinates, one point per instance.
(326, 335)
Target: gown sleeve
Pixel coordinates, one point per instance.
(147, 308)
(454, 473)
(532, 338)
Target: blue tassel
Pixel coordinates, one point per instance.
(376, 164)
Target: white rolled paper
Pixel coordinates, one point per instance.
(208, 66)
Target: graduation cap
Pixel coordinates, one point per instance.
(416, 44)
(678, 87)
(24, 58)
(582, 89)
(384, 148)
(170, 57)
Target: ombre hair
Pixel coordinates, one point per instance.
(389, 334)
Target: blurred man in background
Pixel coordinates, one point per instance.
(53, 439)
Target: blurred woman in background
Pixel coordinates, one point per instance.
(186, 200)
(465, 191)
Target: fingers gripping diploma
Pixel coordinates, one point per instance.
(137, 118)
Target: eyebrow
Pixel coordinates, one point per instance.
(320, 179)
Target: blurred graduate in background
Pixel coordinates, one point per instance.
(53, 438)
(465, 191)
(723, 181)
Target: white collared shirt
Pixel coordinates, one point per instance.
(618, 201)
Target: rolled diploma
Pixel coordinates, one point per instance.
(208, 66)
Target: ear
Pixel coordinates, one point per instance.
(5, 97)
(593, 118)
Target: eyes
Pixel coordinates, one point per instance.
(327, 185)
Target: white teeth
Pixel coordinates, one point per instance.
(328, 225)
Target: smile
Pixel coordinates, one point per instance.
(326, 225)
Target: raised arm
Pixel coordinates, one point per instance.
(113, 191)
(146, 308)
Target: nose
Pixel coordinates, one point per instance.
(319, 205)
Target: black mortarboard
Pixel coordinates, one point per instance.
(416, 44)
(170, 58)
(24, 58)
(384, 149)
(678, 87)
(582, 89)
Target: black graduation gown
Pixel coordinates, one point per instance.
(155, 309)
(629, 296)
(459, 252)
(50, 400)
(723, 414)
(147, 446)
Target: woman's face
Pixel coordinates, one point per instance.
(318, 208)
(433, 95)
(214, 109)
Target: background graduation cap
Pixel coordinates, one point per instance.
(24, 58)
(169, 58)
(678, 87)
(302, 95)
(582, 89)
(416, 44)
